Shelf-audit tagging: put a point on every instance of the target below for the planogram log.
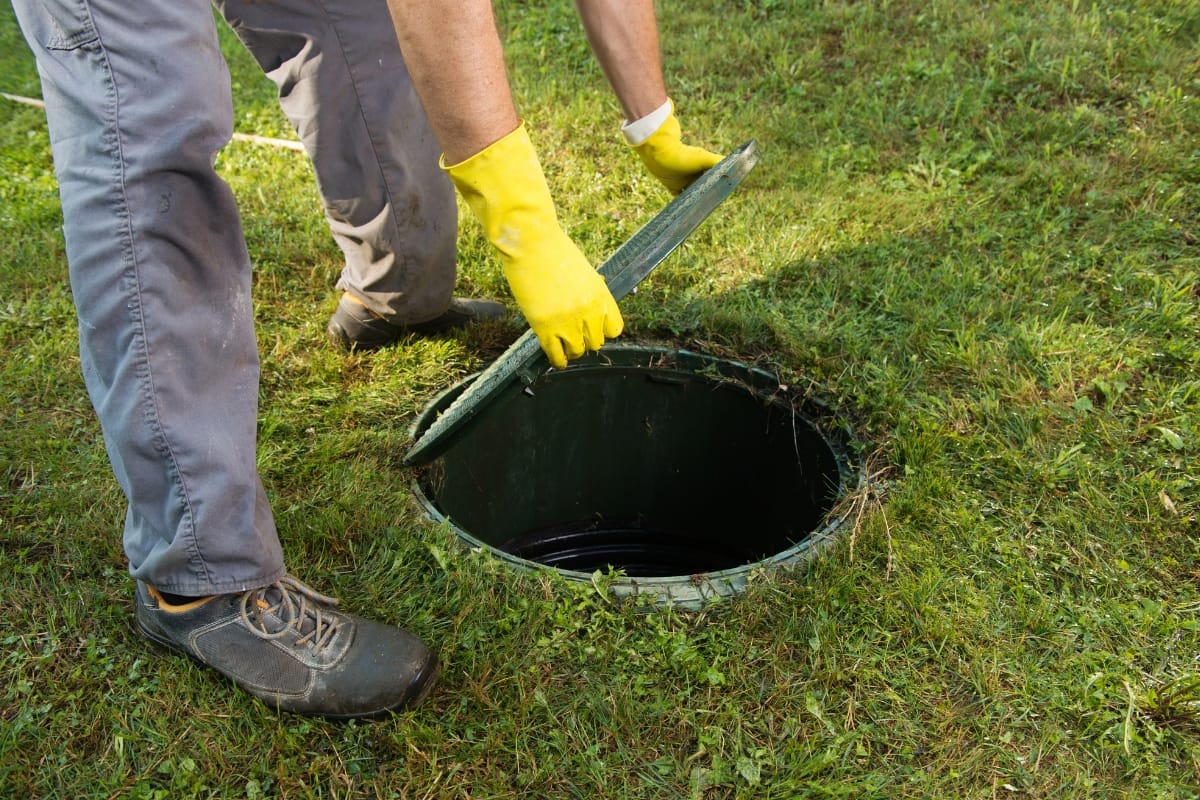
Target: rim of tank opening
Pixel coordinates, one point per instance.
(680, 590)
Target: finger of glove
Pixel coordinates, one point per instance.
(570, 334)
(553, 349)
(683, 165)
(593, 331)
(613, 323)
(678, 167)
(697, 159)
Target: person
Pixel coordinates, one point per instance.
(389, 101)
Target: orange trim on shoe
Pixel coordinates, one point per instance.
(353, 299)
(170, 608)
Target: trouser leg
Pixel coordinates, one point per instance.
(138, 104)
(344, 86)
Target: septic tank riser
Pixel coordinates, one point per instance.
(648, 457)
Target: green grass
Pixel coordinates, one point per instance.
(973, 232)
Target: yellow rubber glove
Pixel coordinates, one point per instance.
(564, 299)
(670, 160)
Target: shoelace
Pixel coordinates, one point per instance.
(296, 604)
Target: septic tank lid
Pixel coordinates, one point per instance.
(624, 270)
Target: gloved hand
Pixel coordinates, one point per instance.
(564, 299)
(670, 160)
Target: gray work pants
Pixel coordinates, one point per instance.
(138, 104)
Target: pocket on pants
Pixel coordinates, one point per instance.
(64, 24)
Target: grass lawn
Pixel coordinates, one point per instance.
(973, 233)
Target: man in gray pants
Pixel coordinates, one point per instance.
(138, 105)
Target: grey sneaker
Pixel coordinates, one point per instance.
(288, 646)
(353, 326)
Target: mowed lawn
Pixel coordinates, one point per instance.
(972, 236)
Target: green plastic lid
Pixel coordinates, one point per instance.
(624, 270)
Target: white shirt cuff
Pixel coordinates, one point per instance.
(642, 129)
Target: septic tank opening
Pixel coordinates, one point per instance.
(682, 471)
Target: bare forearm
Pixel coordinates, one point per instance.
(624, 36)
(454, 55)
